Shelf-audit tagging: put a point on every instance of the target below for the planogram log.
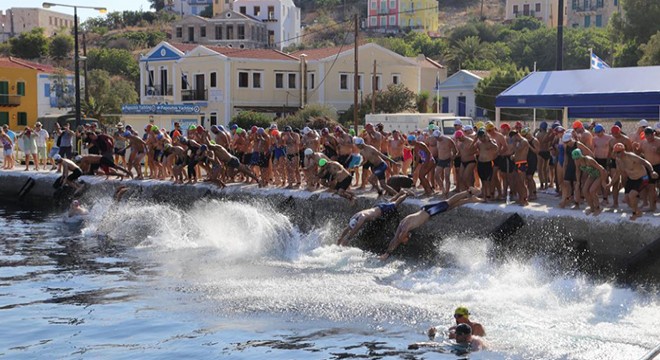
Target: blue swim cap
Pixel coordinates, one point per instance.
(127, 133)
(221, 128)
(214, 127)
(412, 138)
(599, 128)
(544, 125)
(159, 136)
(233, 127)
(204, 147)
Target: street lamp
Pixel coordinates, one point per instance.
(76, 57)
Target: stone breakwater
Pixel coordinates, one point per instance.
(609, 244)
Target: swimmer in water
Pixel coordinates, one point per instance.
(380, 210)
(76, 209)
(462, 316)
(413, 221)
(464, 337)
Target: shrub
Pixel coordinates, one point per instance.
(247, 119)
(311, 114)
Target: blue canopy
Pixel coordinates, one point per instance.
(632, 92)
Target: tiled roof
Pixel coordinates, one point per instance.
(428, 63)
(480, 73)
(322, 53)
(12, 62)
(264, 54)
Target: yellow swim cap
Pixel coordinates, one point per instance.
(462, 310)
(479, 125)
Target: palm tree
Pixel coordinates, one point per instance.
(423, 101)
(467, 50)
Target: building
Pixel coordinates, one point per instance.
(591, 13)
(397, 15)
(282, 19)
(229, 29)
(544, 10)
(30, 90)
(192, 83)
(188, 7)
(15, 21)
(457, 94)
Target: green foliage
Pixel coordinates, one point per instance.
(61, 45)
(157, 4)
(468, 51)
(107, 94)
(30, 45)
(134, 40)
(115, 61)
(304, 117)
(247, 119)
(122, 19)
(526, 23)
(397, 98)
(498, 81)
(207, 12)
(640, 20)
(651, 51)
(5, 49)
(423, 101)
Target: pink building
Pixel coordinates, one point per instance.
(383, 15)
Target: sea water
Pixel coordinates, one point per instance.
(238, 280)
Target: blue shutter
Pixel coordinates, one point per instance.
(47, 90)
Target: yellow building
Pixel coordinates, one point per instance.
(25, 92)
(421, 15)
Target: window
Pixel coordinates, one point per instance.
(279, 81)
(47, 90)
(343, 81)
(311, 80)
(374, 5)
(256, 80)
(515, 9)
(271, 13)
(392, 20)
(230, 32)
(586, 4)
(240, 32)
(616, 2)
(191, 33)
(392, 4)
(574, 6)
(377, 82)
(218, 32)
(537, 8)
(214, 79)
(383, 21)
(243, 79)
(374, 21)
(599, 3)
(383, 6)
(395, 79)
(359, 82)
(20, 88)
(202, 31)
(257, 11)
(242, 10)
(599, 20)
(22, 119)
(292, 81)
(587, 21)
(179, 32)
(184, 81)
(4, 118)
(214, 118)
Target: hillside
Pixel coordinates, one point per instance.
(454, 13)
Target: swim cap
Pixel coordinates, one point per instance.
(643, 123)
(308, 152)
(598, 128)
(436, 133)
(57, 157)
(648, 130)
(351, 132)
(159, 136)
(577, 124)
(273, 126)
(616, 129)
(75, 203)
(518, 125)
(204, 147)
(128, 127)
(505, 126)
(369, 126)
(618, 123)
(358, 140)
(325, 131)
(322, 162)
(544, 125)
(183, 140)
(127, 133)
(524, 131)
(261, 131)
(577, 154)
(559, 129)
(192, 127)
(253, 129)
(239, 131)
(214, 129)
(338, 128)
(275, 132)
(619, 147)
(412, 138)
(352, 223)
(462, 310)
(458, 122)
(77, 158)
(555, 124)
(459, 134)
(463, 329)
(233, 127)
(306, 130)
(479, 125)
(568, 136)
(467, 128)
(490, 126)
(481, 132)
(167, 146)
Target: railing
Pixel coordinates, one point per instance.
(158, 90)
(592, 7)
(10, 100)
(194, 95)
(521, 14)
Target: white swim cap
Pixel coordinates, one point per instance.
(57, 157)
(358, 140)
(308, 152)
(458, 122)
(643, 123)
(352, 223)
(306, 130)
(436, 133)
(78, 158)
(657, 126)
(567, 136)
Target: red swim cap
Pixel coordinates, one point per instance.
(615, 130)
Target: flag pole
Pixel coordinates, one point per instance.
(591, 57)
(437, 93)
(534, 122)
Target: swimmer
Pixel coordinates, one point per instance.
(70, 172)
(76, 209)
(413, 221)
(380, 210)
(464, 337)
(462, 316)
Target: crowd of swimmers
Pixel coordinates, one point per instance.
(581, 165)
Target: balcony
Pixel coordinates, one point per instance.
(194, 95)
(382, 11)
(7, 100)
(522, 14)
(158, 90)
(591, 9)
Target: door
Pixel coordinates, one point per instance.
(4, 92)
(445, 105)
(199, 87)
(461, 106)
(163, 82)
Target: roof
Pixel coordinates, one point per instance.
(461, 80)
(632, 92)
(426, 62)
(479, 73)
(322, 53)
(12, 62)
(263, 54)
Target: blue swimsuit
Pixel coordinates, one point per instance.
(436, 208)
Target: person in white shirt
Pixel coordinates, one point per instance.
(42, 138)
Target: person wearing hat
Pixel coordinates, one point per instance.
(570, 177)
(426, 162)
(334, 176)
(650, 149)
(639, 173)
(638, 136)
(618, 137)
(70, 172)
(464, 337)
(461, 316)
(583, 135)
(378, 161)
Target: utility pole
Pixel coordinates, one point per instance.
(374, 88)
(481, 16)
(560, 36)
(85, 68)
(356, 78)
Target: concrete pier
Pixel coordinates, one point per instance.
(604, 244)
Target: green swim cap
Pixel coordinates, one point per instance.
(239, 130)
(192, 127)
(351, 132)
(577, 154)
(322, 162)
(154, 128)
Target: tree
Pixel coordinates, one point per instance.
(157, 5)
(651, 51)
(469, 49)
(30, 45)
(526, 23)
(207, 12)
(423, 101)
(115, 61)
(107, 94)
(61, 45)
(304, 117)
(491, 86)
(640, 20)
(397, 98)
(247, 119)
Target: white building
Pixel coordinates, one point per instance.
(282, 19)
(457, 93)
(187, 7)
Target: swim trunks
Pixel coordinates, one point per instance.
(485, 170)
(379, 171)
(457, 162)
(367, 165)
(75, 174)
(545, 154)
(443, 163)
(234, 163)
(387, 208)
(344, 184)
(466, 163)
(637, 185)
(436, 208)
(344, 160)
(602, 162)
(521, 166)
(656, 168)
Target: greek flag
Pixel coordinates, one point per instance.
(437, 82)
(598, 63)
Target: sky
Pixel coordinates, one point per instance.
(84, 14)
